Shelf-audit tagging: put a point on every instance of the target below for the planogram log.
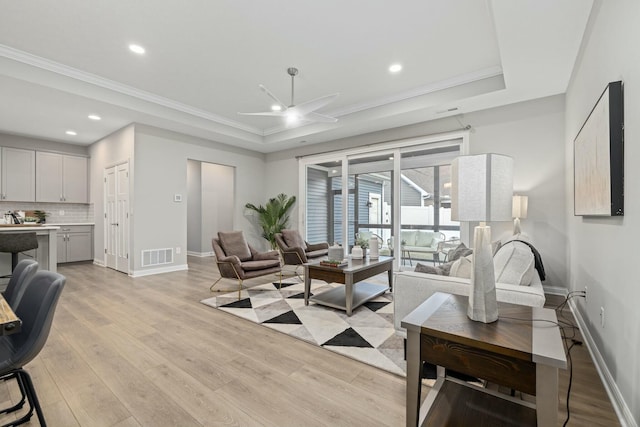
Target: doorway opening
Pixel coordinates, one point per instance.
(210, 204)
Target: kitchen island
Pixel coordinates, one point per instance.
(47, 252)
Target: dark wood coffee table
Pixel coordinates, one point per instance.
(354, 293)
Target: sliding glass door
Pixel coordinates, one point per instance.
(382, 193)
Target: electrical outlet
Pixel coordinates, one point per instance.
(585, 294)
(602, 317)
(61, 212)
(178, 250)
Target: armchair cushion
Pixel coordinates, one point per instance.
(317, 247)
(260, 264)
(233, 243)
(293, 239)
(258, 256)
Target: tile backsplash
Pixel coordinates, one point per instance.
(71, 212)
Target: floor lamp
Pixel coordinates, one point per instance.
(481, 191)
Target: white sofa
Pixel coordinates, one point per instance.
(410, 289)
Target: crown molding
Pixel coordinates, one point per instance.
(93, 79)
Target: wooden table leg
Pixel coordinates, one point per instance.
(414, 376)
(307, 285)
(349, 293)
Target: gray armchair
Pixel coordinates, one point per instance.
(296, 251)
(237, 260)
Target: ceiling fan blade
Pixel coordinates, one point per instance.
(315, 104)
(266, 113)
(272, 96)
(317, 117)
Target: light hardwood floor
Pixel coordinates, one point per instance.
(145, 352)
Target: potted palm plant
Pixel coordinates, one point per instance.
(273, 216)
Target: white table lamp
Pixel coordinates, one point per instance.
(481, 191)
(519, 211)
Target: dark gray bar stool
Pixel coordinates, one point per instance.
(14, 243)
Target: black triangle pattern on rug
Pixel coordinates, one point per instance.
(289, 318)
(376, 305)
(283, 285)
(348, 338)
(243, 303)
(299, 296)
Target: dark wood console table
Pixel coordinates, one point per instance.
(522, 350)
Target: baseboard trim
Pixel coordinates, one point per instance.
(161, 270)
(98, 262)
(200, 254)
(555, 290)
(617, 400)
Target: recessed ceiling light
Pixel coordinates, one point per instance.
(391, 158)
(71, 132)
(276, 107)
(136, 49)
(94, 117)
(395, 68)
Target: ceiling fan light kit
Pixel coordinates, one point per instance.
(297, 113)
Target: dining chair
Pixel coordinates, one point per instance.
(14, 243)
(23, 272)
(35, 310)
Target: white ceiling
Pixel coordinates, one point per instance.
(61, 61)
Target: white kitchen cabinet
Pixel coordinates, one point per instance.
(75, 243)
(17, 175)
(61, 178)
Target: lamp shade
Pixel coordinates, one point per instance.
(520, 205)
(482, 188)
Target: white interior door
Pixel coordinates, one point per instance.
(116, 216)
(122, 227)
(110, 217)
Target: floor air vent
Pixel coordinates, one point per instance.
(157, 257)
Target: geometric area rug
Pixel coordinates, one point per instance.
(367, 336)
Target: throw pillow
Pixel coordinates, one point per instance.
(233, 243)
(423, 268)
(446, 268)
(460, 251)
(514, 264)
(461, 267)
(293, 239)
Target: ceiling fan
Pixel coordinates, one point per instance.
(294, 113)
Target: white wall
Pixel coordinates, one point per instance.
(114, 149)
(161, 172)
(603, 251)
(217, 202)
(194, 207)
(532, 132)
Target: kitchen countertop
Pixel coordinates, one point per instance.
(22, 227)
(62, 224)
